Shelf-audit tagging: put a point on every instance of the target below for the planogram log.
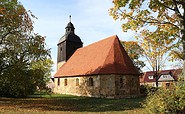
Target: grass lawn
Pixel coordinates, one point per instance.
(67, 104)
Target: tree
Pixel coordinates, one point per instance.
(135, 52)
(25, 61)
(14, 19)
(164, 18)
(155, 51)
(151, 48)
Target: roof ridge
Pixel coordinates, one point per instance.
(100, 41)
(112, 42)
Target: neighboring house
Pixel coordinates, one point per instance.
(101, 69)
(165, 79)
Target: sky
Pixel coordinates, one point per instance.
(90, 18)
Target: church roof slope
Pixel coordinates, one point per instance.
(104, 57)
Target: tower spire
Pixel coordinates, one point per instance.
(68, 44)
(69, 18)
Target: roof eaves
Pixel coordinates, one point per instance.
(95, 75)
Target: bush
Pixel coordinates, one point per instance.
(145, 89)
(10, 87)
(166, 101)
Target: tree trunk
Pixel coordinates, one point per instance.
(156, 78)
(182, 23)
(156, 73)
(183, 70)
(183, 43)
(157, 84)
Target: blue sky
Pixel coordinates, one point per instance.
(90, 18)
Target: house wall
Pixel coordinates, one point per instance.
(160, 84)
(105, 86)
(150, 84)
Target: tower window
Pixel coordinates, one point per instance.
(77, 82)
(69, 30)
(65, 82)
(90, 82)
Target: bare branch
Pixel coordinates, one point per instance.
(177, 54)
(6, 34)
(176, 9)
(179, 2)
(3, 37)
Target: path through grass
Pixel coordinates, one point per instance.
(66, 104)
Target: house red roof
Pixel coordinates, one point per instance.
(104, 57)
(173, 72)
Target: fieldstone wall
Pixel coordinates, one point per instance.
(81, 89)
(127, 86)
(105, 86)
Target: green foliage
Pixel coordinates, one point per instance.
(166, 101)
(145, 89)
(160, 25)
(162, 20)
(135, 52)
(14, 19)
(41, 70)
(25, 61)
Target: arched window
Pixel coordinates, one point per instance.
(65, 82)
(121, 82)
(77, 82)
(58, 81)
(90, 82)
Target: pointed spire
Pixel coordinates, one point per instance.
(69, 18)
(70, 28)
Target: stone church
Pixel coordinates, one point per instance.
(102, 69)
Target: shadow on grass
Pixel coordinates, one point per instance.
(74, 103)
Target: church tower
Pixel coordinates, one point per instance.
(67, 44)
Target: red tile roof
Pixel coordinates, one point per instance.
(173, 72)
(104, 57)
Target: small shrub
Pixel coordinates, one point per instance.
(166, 101)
